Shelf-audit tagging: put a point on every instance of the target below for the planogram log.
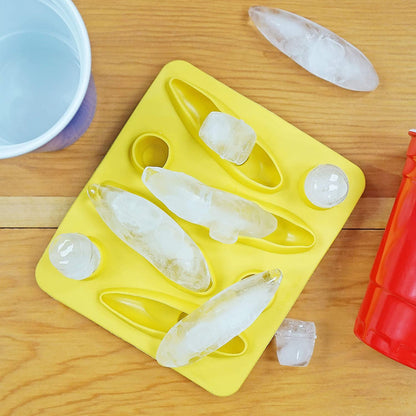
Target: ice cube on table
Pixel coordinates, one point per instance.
(153, 234)
(326, 186)
(226, 215)
(232, 139)
(218, 320)
(295, 341)
(315, 48)
(74, 255)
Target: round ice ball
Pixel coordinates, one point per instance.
(326, 186)
(74, 255)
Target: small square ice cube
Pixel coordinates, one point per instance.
(295, 341)
(232, 139)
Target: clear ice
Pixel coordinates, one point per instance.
(153, 234)
(315, 48)
(74, 255)
(295, 341)
(326, 186)
(218, 320)
(226, 215)
(228, 136)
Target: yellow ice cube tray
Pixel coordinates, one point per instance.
(128, 296)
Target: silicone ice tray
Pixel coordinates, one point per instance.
(128, 296)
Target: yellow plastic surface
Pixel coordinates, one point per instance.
(134, 301)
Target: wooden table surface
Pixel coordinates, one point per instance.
(56, 362)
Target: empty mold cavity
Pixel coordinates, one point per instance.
(149, 150)
(193, 106)
(150, 315)
(237, 346)
(291, 234)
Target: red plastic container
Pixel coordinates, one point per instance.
(387, 318)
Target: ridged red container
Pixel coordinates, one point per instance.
(387, 318)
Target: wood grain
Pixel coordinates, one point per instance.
(33, 211)
(56, 362)
(131, 40)
(48, 212)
